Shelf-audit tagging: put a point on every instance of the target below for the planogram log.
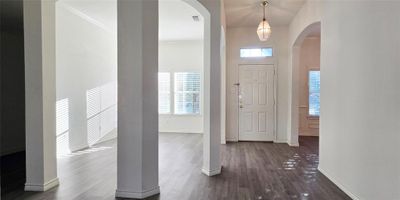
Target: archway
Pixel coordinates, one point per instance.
(184, 56)
(295, 59)
(210, 11)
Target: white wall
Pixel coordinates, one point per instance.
(242, 37)
(307, 15)
(181, 56)
(86, 64)
(360, 114)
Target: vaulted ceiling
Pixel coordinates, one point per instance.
(250, 12)
(176, 22)
(175, 17)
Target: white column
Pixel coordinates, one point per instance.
(137, 99)
(41, 164)
(212, 84)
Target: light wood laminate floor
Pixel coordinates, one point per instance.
(251, 170)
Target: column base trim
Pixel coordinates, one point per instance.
(344, 189)
(34, 187)
(281, 141)
(294, 144)
(137, 195)
(211, 172)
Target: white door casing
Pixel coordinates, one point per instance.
(256, 102)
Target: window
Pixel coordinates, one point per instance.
(187, 93)
(164, 94)
(256, 52)
(185, 97)
(313, 93)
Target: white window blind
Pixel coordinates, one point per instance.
(164, 93)
(187, 93)
(101, 111)
(313, 93)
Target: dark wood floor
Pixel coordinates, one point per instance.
(251, 170)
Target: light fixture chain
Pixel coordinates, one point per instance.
(265, 5)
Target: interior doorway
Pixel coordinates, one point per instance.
(181, 68)
(256, 102)
(306, 85)
(185, 75)
(309, 86)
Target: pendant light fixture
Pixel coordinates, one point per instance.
(264, 30)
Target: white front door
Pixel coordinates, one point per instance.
(256, 103)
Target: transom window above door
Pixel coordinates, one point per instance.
(256, 52)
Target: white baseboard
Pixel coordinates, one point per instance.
(79, 149)
(109, 136)
(137, 195)
(82, 146)
(211, 172)
(275, 141)
(345, 190)
(281, 141)
(308, 135)
(223, 141)
(294, 144)
(34, 187)
(183, 132)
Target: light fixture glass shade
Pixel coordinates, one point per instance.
(264, 30)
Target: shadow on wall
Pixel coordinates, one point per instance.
(62, 126)
(101, 111)
(101, 114)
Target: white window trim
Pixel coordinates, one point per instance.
(309, 116)
(172, 94)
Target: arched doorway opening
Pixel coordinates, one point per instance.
(184, 79)
(305, 103)
(212, 89)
